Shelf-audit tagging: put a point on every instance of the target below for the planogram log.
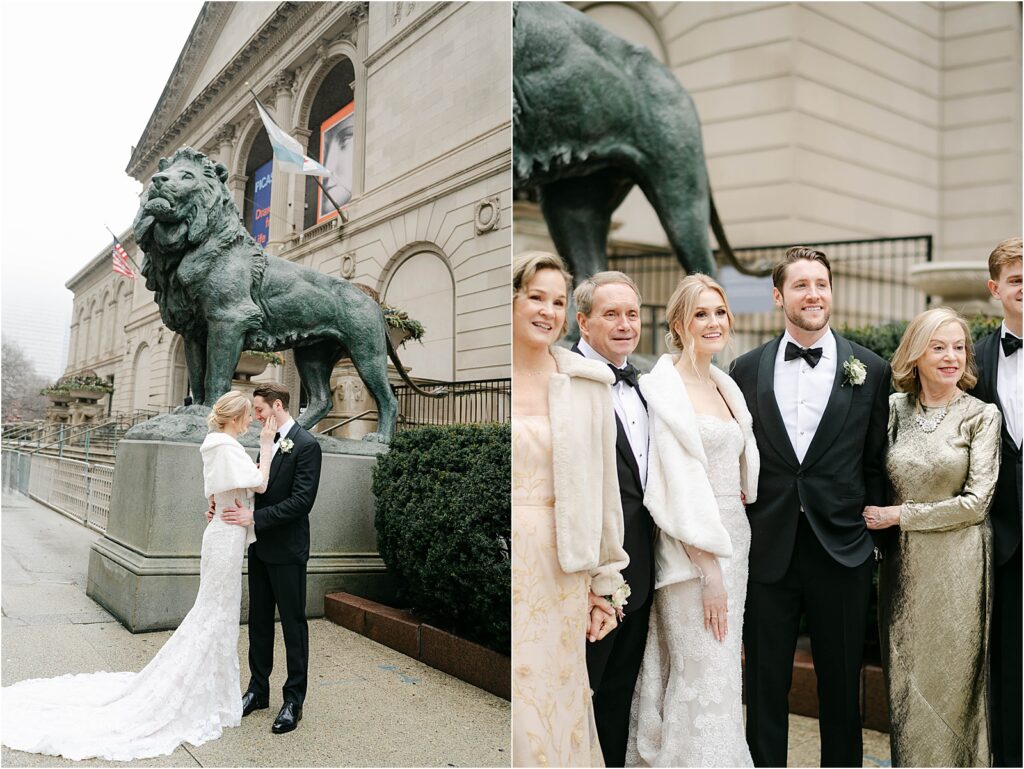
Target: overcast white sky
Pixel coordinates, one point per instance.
(78, 82)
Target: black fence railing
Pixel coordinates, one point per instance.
(482, 400)
(870, 285)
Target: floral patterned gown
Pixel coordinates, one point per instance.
(552, 712)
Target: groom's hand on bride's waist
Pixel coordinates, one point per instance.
(211, 509)
(238, 514)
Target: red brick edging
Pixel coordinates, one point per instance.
(403, 632)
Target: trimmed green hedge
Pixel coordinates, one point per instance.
(444, 525)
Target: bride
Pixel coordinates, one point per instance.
(190, 690)
(704, 464)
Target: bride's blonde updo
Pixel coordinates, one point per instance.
(228, 407)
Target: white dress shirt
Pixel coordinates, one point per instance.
(803, 391)
(283, 431)
(1008, 385)
(630, 411)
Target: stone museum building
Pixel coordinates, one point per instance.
(889, 133)
(409, 104)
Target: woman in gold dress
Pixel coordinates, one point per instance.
(566, 523)
(935, 585)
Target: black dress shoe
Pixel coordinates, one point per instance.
(287, 719)
(251, 702)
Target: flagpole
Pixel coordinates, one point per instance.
(139, 269)
(337, 208)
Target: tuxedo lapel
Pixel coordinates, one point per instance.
(768, 407)
(833, 419)
(989, 363)
(625, 450)
(275, 465)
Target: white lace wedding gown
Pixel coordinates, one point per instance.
(189, 691)
(687, 708)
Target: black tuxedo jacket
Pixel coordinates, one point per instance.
(1006, 506)
(842, 471)
(638, 539)
(282, 511)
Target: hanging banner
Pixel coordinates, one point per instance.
(337, 151)
(261, 203)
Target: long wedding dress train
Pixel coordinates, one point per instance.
(189, 692)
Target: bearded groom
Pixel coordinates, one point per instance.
(820, 408)
(278, 557)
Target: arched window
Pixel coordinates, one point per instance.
(140, 380)
(422, 285)
(332, 116)
(179, 372)
(106, 343)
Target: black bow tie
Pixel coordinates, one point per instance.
(626, 374)
(811, 355)
(277, 437)
(1011, 344)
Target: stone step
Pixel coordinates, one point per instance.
(406, 633)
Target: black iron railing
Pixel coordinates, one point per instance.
(481, 400)
(870, 284)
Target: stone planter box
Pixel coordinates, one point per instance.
(249, 366)
(60, 398)
(398, 336)
(88, 395)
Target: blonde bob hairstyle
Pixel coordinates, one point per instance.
(527, 264)
(229, 407)
(914, 345)
(681, 308)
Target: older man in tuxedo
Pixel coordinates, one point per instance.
(608, 314)
(1000, 359)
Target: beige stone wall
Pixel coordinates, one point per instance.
(433, 156)
(843, 120)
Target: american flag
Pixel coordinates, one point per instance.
(120, 257)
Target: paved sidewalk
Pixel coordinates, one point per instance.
(367, 704)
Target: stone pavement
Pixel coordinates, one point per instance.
(805, 744)
(367, 704)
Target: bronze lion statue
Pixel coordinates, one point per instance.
(217, 288)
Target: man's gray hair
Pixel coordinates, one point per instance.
(584, 293)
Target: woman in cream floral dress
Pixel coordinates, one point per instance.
(566, 522)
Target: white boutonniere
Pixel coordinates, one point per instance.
(286, 446)
(854, 372)
(618, 598)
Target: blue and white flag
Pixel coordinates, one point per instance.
(287, 151)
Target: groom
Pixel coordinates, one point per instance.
(608, 305)
(277, 559)
(820, 408)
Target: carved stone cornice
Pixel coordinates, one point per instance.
(225, 135)
(283, 82)
(290, 20)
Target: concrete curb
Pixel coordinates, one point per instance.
(404, 632)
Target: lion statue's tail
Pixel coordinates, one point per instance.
(437, 392)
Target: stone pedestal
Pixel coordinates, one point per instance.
(352, 399)
(145, 570)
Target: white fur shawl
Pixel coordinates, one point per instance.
(226, 467)
(588, 509)
(678, 493)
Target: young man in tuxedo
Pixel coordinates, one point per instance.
(999, 360)
(608, 314)
(277, 559)
(820, 428)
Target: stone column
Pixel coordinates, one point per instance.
(361, 17)
(297, 188)
(225, 140)
(280, 222)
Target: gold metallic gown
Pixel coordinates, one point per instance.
(935, 588)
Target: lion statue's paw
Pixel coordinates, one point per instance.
(375, 438)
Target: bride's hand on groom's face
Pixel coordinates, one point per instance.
(269, 431)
